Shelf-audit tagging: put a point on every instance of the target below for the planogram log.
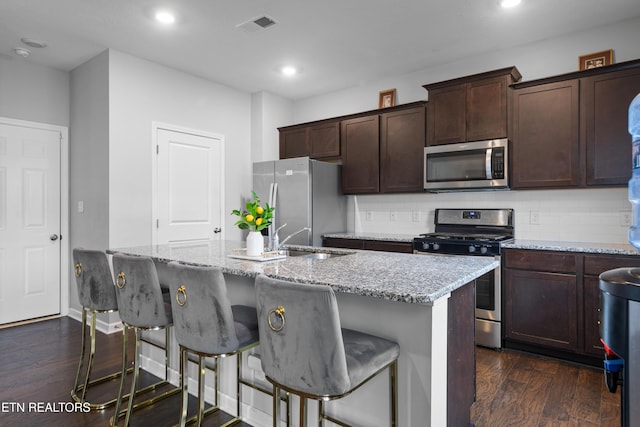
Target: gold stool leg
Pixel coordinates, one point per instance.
(393, 379)
(114, 420)
(320, 413)
(134, 381)
(184, 385)
(201, 373)
(276, 406)
(76, 386)
(303, 411)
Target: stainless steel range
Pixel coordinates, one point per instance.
(474, 232)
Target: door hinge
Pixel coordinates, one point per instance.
(157, 148)
(157, 223)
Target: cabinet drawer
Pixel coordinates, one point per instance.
(557, 262)
(333, 242)
(594, 265)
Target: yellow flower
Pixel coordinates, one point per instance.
(258, 221)
(259, 211)
(249, 218)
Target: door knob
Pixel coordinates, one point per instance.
(53, 237)
(217, 230)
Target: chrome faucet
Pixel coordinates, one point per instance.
(274, 240)
(277, 246)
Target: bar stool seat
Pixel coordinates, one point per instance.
(96, 294)
(305, 351)
(142, 308)
(207, 325)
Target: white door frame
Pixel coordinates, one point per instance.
(154, 171)
(65, 267)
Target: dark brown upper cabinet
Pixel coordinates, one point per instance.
(470, 108)
(320, 140)
(402, 140)
(545, 137)
(604, 112)
(382, 152)
(293, 143)
(360, 155)
(570, 131)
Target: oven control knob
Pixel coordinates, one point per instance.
(436, 246)
(425, 246)
(483, 250)
(472, 249)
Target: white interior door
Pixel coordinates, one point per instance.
(189, 186)
(29, 222)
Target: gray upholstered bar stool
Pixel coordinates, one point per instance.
(96, 294)
(142, 308)
(305, 351)
(207, 325)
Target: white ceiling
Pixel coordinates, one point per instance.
(335, 43)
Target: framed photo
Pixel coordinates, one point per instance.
(595, 60)
(387, 98)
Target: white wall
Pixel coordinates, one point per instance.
(33, 93)
(141, 92)
(536, 60)
(268, 113)
(570, 215)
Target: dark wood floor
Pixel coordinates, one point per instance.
(520, 389)
(38, 362)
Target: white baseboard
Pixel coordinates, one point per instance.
(102, 326)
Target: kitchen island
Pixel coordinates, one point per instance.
(425, 303)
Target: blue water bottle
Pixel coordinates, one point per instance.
(634, 182)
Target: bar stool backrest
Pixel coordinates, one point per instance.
(94, 280)
(138, 290)
(202, 316)
(301, 344)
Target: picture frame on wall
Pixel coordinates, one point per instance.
(595, 60)
(387, 98)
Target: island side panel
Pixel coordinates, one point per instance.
(461, 354)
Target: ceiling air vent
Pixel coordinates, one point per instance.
(256, 24)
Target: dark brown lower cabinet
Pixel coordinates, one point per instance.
(552, 301)
(542, 308)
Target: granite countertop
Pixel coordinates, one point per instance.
(416, 279)
(585, 247)
(374, 236)
(547, 245)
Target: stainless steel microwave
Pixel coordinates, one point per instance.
(478, 165)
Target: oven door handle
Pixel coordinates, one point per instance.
(487, 163)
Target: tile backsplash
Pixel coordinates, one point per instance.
(584, 215)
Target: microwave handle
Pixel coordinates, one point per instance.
(487, 163)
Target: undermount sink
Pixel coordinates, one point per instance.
(314, 255)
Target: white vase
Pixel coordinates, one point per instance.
(255, 243)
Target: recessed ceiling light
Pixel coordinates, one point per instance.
(165, 17)
(289, 70)
(21, 51)
(509, 3)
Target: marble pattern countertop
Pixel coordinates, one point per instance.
(388, 237)
(585, 247)
(409, 278)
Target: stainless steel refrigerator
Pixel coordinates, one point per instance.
(305, 193)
